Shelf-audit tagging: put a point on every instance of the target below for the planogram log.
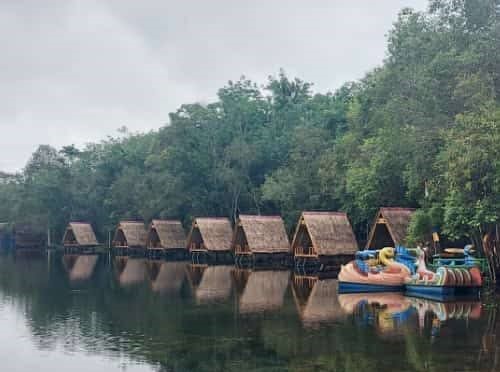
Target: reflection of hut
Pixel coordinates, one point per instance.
(6, 236)
(166, 237)
(210, 238)
(264, 291)
(79, 236)
(389, 228)
(80, 267)
(316, 300)
(324, 237)
(167, 277)
(210, 283)
(260, 237)
(130, 237)
(130, 271)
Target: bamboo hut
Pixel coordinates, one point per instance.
(167, 277)
(260, 237)
(210, 238)
(130, 271)
(264, 291)
(79, 236)
(389, 228)
(324, 237)
(130, 237)
(316, 300)
(166, 237)
(80, 267)
(29, 237)
(6, 236)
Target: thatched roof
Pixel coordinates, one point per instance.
(80, 233)
(264, 291)
(80, 267)
(170, 234)
(396, 220)
(322, 304)
(216, 233)
(215, 284)
(169, 276)
(264, 234)
(330, 233)
(134, 233)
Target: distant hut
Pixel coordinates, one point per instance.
(324, 237)
(167, 277)
(389, 228)
(130, 237)
(6, 236)
(166, 237)
(264, 291)
(316, 300)
(80, 267)
(210, 238)
(79, 237)
(29, 237)
(260, 237)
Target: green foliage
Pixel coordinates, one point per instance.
(422, 131)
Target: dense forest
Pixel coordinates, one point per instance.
(422, 130)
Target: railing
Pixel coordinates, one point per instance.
(481, 263)
(305, 251)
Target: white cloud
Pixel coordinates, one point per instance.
(75, 71)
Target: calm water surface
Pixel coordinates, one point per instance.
(96, 313)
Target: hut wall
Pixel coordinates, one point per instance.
(196, 241)
(303, 244)
(240, 242)
(153, 239)
(119, 239)
(381, 237)
(69, 238)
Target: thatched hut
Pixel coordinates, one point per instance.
(80, 267)
(167, 277)
(79, 236)
(324, 237)
(6, 236)
(389, 228)
(264, 291)
(263, 236)
(166, 237)
(130, 237)
(316, 300)
(29, 237)
(210, 238)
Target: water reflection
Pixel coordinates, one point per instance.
(161, 321)
(79, 267)
(210, 283)
(261, 290)
(130, 271)
(166, 277)
(316, 300)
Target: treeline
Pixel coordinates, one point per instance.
(422, 130)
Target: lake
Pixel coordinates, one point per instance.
(102, 313)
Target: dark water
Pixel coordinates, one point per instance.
(90, 313)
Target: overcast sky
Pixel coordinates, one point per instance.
(73, 71)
